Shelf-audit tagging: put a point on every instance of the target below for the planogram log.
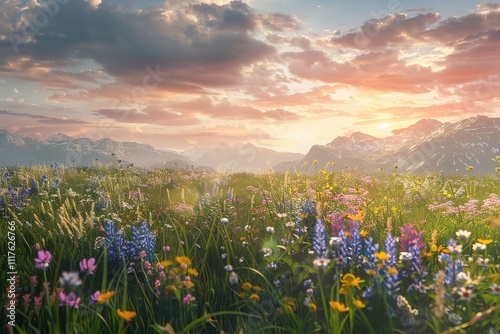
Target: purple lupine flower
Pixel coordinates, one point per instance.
(342, 259)
(43, 259)
(69, 299)
(88, 265)
(319, 239)
(355, 245)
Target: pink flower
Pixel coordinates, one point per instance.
(43, 259)
(26, 300)
(33, 281)
(88, 265)
(95, 296)
(188, 299)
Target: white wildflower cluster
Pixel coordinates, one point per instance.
(405, 306)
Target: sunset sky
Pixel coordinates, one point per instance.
(281, 74)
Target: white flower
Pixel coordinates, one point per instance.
(455, 249)
(463, 277)
(224, 221)
(228, 267)
(290, 224)
(224, 255)
(454, 318)
(465, 294)
(307, 301)
(495, 288)
(244, 244)
(321, 263)
(405, 256)
(270, 229)
(335, 241)
(70, 279)
(267, 251)
(247, 227)
(241, 260)
(233, 278)
(482, 262)
(477, 247)
(282, 215)
(463, 235)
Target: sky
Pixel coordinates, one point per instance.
(281, 74)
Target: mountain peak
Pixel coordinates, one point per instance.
(58, 137)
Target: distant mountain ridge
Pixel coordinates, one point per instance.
(427, 145)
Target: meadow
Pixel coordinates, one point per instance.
(111, 249)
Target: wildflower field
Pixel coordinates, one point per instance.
(123, 250)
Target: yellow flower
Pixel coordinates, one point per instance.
(382, 256)
(371, 272)
(170, 289)
(292, 304)
(104, 297)
(312, 307)
(243, 294)
(192, 271)
(349, 280)
(257, 288)
(126, 315)
(358, 303)
(183, 260)
(254, 297)
(336, 306)
(167, 263)
(392, 271)
(247, 286)
(363, 233)
(188, 284)
(485, 241)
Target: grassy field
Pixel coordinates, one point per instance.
(122, 250)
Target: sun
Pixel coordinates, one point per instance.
(383, 126)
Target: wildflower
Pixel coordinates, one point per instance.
(404, 305)
(246, 286)
(454, 318)
(465, 294)
(95, 296)
(88, 265)
(363, 233)
(482, 262)
(455, 249)
(43, 259)
(349, 280)
(33, 281)
(70, 279)
(358, 303)
(270, 229)
(463, 235)
(254, 297)
(188, 299)
(290, 224)
(392, 270)
(104, 297)
(463, 277)
(312, 307)
(281, 215)
(267, 251)
(168, 329)
(335, 241)
(382, 256)
(321, 263)
(193, 272)
(336, 306)
(224, 221)
(72, 300)
(184, 261)
(495, 288)
(485, 241)
(319, 238)
(477, 247)
(405, 256)
(257, 288)
(126, 315)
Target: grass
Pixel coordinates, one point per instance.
(333, 252)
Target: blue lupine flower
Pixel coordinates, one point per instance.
(142, 240)
(114, 243)
(319, 239)
(391, 249)
(369, 251)
(355, 247)
(343, 252)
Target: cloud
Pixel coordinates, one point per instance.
(149, 115)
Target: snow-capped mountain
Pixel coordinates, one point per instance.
(427, 145)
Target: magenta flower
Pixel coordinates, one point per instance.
(95, 296)
(188, 299)
(88, 265)
(69, 299)
(43, 259)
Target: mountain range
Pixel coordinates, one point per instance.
(427, 145)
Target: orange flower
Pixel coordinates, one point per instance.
(169, 329)
(312, 307)
(192, 271)
(104, 297)
(336, 306)
(254, 297)
(126, 315)
(485, 241)
(358, 303)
